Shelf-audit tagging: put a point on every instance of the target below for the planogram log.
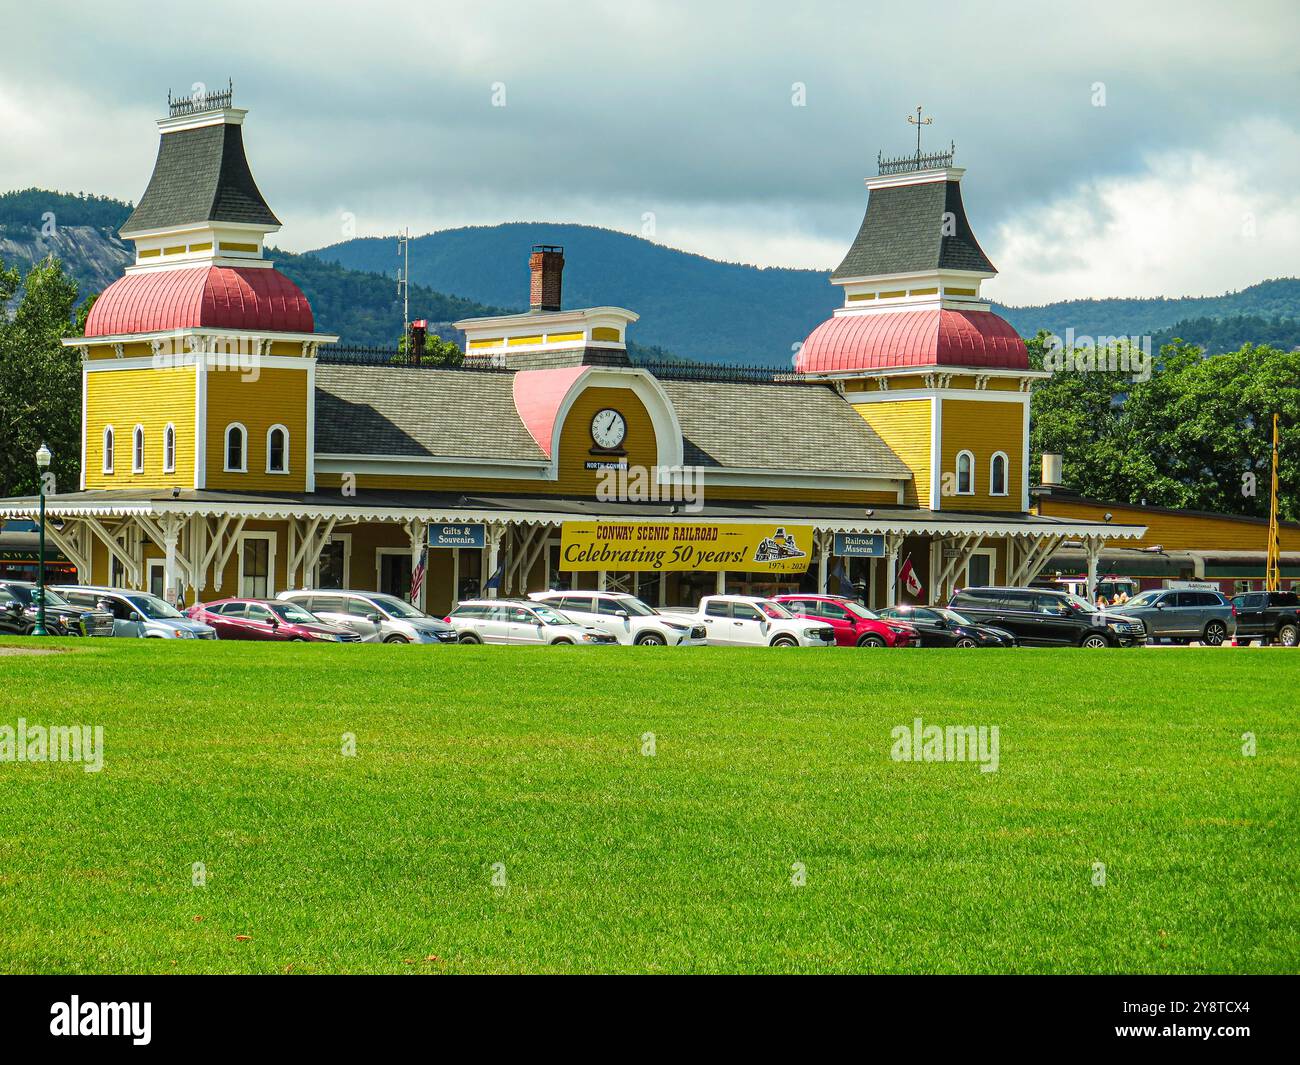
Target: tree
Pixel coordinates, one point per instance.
(40, 379)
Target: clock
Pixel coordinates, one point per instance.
(608, 429)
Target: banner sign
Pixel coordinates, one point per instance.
(457, 535)
(651, 546)
(860, 545)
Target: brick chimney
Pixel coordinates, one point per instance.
(547, 266)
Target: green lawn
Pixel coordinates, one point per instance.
(229, 755)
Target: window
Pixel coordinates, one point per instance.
(256, 553)
(998, 475)
(718, 608)
(169, 449)
(745, 612)
(137, 450)
(236, 448)
(108, 449)
(277, 449)
(979, 570)
(965, 473)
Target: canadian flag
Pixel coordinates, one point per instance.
(910, 581)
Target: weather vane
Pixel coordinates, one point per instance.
(918, 122)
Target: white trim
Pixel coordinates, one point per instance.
(109, 456)
(137, 449)
(398, 552)
(201, 426)
(911, 371)
(936, 439)
(149, 567)
(1006, 473)
(198, 331)
(1024, 465)
(992, 555)
(956, 473)
(84, 418)
(273, 538)
(344, 538)
(892, 395)
(310, 451)
(169, 438)
(916, 177)
(240, 362)
(284, 429)
(243, 449)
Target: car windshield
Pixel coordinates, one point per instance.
(153, 608)
(551, 617)
(1144, 599)
(295, 615)
(858, 610)
(397, 608)
(26, 595)
(773, 610)
(634, 607)
(1080, 604)
(951, 616)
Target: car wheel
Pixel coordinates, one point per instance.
(871, 641)
(396, 638)
(1288, 635)
(1215, 633)
(469, 637)
(556, 643)
(1096, 639)
(650, 639)
(298, 639)
(965, 641)
(785, 641)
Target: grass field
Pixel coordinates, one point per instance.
(473, 763)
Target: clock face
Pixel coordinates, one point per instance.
(608, 428)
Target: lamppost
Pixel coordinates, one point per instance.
(43, 457)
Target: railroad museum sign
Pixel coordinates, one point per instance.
(657, 546)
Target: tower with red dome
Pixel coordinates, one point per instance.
(200, 361)
(918, 351)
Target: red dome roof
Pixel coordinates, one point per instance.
(886, 339)
(226, 297)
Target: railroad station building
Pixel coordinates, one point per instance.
(230, 448)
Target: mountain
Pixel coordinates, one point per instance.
(713, 311)
(690, 306)
(699, 308)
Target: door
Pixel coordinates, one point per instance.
(255, 566)
(607, 620)
(261, 623)
(717, 622)
(523, 626)
(495, 626)
(228, 621)
(127, 620)
(157, 579)
(395, 574)
(1055, 622)
(839, 620)
(363, 618)
(11, 614)
(749, 626)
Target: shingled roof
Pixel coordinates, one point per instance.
(903, 232)
(377, 410)
(370, 410)
(200, 175)
(777, 427)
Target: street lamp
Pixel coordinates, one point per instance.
(43, 457)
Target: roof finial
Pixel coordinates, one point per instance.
(918, 161)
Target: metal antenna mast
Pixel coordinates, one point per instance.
(404, 277)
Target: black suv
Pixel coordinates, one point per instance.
(1269, 617)
(18, 613)
(1046, 617)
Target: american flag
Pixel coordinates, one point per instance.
(417, 575)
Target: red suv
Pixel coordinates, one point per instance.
(854, 624)
(267, 619)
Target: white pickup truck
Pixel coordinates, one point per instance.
(751, 621)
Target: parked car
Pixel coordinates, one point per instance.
(1181, 615)
(1048, 618)
(854, 624)
(938, 626)
(19, 610)
(268, 619)
(1269, 617)
(752, 621)
(517, 621)
(625, 617)
(374, 616)
(138, 614)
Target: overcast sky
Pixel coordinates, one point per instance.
(1112, 149)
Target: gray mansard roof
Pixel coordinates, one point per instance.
(903, 232)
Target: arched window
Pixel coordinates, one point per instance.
(965, 473)
(236, 448)
(998, 474)
(137, 450)
(277, 449)
(169, 449)
(108, 449)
